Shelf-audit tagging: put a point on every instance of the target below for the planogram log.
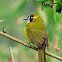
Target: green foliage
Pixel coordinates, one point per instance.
(42, 0)
(58, 6)
(0, 27)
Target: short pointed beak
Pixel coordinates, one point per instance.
(25, 19)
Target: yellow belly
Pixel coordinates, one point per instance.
(26, 34)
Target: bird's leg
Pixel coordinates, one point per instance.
(29, 44)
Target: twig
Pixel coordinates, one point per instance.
(26, 44)
(17, 40)
(54, 56)
(12, 54)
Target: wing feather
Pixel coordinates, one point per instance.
(36, 36)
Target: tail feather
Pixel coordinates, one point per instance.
(44, 56)
(41, 55)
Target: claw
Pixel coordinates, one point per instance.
(29, 44)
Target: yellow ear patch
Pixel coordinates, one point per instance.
(35, 17)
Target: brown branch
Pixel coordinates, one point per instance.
(17, 40)
(11, 54)
(26, 44)
(54, 56)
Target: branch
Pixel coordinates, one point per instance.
(54, 56)
(12, 54)
(26, 44)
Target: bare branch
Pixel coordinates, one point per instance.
(26, 44)
(12, 54)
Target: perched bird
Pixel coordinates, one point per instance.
(36, 33)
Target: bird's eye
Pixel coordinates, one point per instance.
(31, 19)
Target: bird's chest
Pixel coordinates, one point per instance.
(34, 26)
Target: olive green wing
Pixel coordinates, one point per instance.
(37, 37)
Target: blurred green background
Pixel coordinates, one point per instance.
(12, 13)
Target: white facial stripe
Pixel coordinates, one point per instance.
(28, 21)
(28, 17)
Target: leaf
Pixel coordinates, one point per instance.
(58, 6)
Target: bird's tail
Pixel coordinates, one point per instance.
(41, 55)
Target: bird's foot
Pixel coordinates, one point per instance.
(29, 44)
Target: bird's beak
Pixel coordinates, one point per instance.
(25, 19)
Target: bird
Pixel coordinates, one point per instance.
(36, 34)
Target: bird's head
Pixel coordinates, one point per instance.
(32, 18)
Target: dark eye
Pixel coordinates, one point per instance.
(31, 19)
